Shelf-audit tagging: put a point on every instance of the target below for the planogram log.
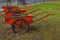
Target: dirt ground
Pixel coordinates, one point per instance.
(46, 31)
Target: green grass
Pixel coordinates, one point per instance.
(46, 29)
(52, 8)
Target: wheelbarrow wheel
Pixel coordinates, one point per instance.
(20, 25)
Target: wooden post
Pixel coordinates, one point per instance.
(8, 2)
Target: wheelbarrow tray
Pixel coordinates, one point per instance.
(11, 20)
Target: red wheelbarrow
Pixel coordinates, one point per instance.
(20, 23)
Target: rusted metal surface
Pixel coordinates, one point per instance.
(34, 10)
(40, 13)
(42, 18)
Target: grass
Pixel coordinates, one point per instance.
(45, 29)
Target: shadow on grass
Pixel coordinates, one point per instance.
(33, 28)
